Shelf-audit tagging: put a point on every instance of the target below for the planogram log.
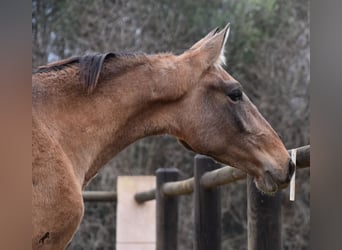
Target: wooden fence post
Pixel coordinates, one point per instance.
(264, 219)
(207, 208)
(167, 211)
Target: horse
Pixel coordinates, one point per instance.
(88, 108)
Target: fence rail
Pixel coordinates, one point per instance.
(99, 196)
(264, 212)
(221, 176)
(218, 177)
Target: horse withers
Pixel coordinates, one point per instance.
(87, 109)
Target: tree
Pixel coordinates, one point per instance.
(268, 52)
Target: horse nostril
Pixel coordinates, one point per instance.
(291, 169)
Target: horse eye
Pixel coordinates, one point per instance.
(235, 95)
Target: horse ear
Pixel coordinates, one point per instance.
(200, 42)
(210, 52)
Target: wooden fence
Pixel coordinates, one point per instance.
(264, 212)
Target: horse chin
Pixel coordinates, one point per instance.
(266, 184)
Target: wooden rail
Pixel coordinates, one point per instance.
(264, 212)
(99, 196)
(145, 196)
(221, 176)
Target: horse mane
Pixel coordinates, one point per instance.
(90, 67)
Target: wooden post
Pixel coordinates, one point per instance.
(207, 208)
(264, 219)
(167, 211)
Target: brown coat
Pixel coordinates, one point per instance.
(87, 109)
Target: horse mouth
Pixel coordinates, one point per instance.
(266, 184)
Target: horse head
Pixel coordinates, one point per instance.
(219, 120)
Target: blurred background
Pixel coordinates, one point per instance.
(268, 51)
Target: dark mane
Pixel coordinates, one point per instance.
(90, 66)
(58, 65)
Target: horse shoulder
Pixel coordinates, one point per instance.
(56, 194)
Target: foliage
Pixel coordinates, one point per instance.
(268, 52)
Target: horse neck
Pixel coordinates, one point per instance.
(93, 128)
